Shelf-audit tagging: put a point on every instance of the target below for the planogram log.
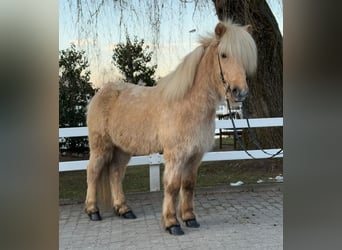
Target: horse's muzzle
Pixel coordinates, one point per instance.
(239, 95)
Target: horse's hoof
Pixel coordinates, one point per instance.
(95, 216)
(175, 230)
(192, 223)
(129, 215)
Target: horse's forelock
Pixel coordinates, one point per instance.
(238, 43)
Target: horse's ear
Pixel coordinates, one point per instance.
(248, 28)
(220, 29)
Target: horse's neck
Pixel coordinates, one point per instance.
(204, 89)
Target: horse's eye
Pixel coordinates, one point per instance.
(223, 55)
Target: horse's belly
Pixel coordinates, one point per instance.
(140, 145)
(136, 140)
(188, 137)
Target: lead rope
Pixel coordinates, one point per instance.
(257, 144)
(236, 133)
(255, 140)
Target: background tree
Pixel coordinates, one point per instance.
(132, 60)
(75, 91)
(266, 87)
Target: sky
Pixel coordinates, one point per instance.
(174, 40)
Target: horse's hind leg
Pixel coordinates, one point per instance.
(97, 161)
(189, 176)
(117, 171)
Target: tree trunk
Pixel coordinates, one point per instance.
(266, 87)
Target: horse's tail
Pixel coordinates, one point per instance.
(104, 196)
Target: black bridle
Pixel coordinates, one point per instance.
(224, 82)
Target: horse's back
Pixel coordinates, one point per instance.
(127, 115)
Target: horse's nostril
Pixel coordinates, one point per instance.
(235, 91)
(239, 94)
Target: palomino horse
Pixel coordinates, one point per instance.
(175, 117)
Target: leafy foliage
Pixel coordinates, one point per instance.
(132, 60)
(75, 91)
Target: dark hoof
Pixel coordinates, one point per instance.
(175, 230)
(129, 215)
(95, 216)
(192, 223)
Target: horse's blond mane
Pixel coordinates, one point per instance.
(176, 84)
(235, 42)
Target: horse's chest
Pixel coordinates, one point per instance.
(207, 131)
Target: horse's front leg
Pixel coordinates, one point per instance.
(189, 176)
(172, 183)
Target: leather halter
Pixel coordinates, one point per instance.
(224, 82)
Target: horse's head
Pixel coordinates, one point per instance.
(236, 57)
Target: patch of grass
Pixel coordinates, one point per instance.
(137, 179)
(72, 185)
(247, 171)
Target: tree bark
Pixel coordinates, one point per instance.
(265, 98)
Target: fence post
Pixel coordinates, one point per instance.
(154, 161)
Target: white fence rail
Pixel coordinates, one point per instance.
(154, 160)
